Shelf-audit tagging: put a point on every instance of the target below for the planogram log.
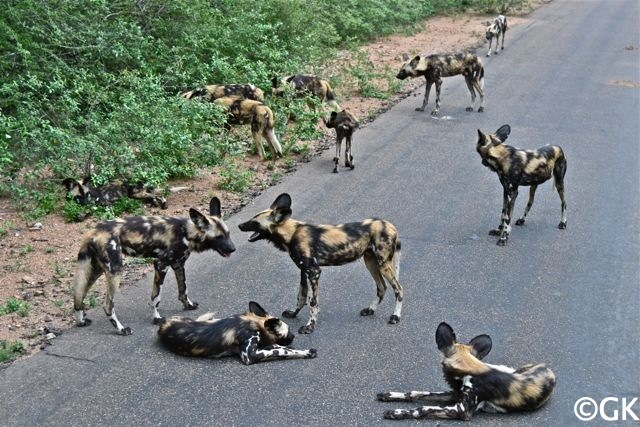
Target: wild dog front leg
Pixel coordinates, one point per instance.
(413, 396)
(113, 284)
(336, 159)
(506, 218)
(505, 204)
(277, 352)
(348, 156)
(156, 290)
(489, 53)
(459, 411)
(426, 95)
(302, 297)
(313, 273)
(178, 269)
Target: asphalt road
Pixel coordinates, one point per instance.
(569, 298)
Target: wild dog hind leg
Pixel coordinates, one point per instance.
(183, 296)
(413, 396)
(313, 273)
(532, 193)
(371, 263)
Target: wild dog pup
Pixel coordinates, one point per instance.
(435, 67)
(305, 84)
(313, 246)
(521, 167)
(259, 116)
(494, 30)
(170, 240)
(475, 385)
(84, 193)
(255, 336)
(213, 92)
(345, 123)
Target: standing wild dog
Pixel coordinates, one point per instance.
(84, 193)
(475, 385)
(313, 246)
(170, 240)
(247, 111)
(494, 30)
(435, 67)
(255, 336)
(304, 84)
(521, 167)
(345, 123)
(213, 92)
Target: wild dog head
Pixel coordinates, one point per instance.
(410, 67)
(273, 330)
(210, 231)
(344, 120)
(459, 357)
(264, 224)
(488, 141)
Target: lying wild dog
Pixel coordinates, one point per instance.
(494, 30)
(213, 92)
(170, 240)
(304, 84)
(247, 111)
(313, 246)
(84, 193)
(475, 385)
(255, 335)
(521, 167)
(435, 67)
(345, 123)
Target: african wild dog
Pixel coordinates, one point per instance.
(247, 111)
(345, 123)
(304, 84)
(255, 335)
(435, 67)
(313, 246)
(170, 240)
(213, 92)
(475, 385)
(521, 167)
(84, 193)
(494, 30)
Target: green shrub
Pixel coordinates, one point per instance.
(14, 305)
(10, 350)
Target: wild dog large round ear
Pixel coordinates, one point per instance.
(257, 309)
(480, 135)
(405, 56)
(214, 207)
(503, 132)
(445, 338)
(198, 219)
(481, 346)
(282, 201)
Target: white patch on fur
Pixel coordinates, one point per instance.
(185, 241)
(282, 329)
(502, 368)
(113, 244)
(466, 381)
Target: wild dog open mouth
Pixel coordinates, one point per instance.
(223, 253)
(255, 236)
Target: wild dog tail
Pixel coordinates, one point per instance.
(559, 169)
(396, 259)
(479, 74)
(331, 97)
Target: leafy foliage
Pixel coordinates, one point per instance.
(95, 82)
(10, 350)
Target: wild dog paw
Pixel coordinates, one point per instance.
(480, 110)
(502, 242)
(125, 331)
(85, 322)
(395, 414)
(495, 232)
(488, 55)
(306, 329)
(191, 305)
(469, 109)
(289, 314)
(335, 170)
(367, 312)
(313, 353)
(420, 109)
(394, 319)
(435, 113)
(158, 320)
(384, 397)
(562, 225)
(520, 221)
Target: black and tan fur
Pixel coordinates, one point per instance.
(435, 67)
(312, 246)
(304, 84)
(345, 123)
(475, 385)
(521, 168)
(213, 92)
(259, 116)
(255, 336)
(84, 193)
(494, 29)
(169, 240)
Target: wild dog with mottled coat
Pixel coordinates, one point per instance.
(255, 336)
(475, 385)
(169, 240)
(312, 246)
(345, 123)
(435, 67)
(516, 168)
(259, 116)
(494, 29)
(304, 84)
(84, 193)
(213, 92)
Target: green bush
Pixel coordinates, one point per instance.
(10, 350)
(94, 84)
(14, 305)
